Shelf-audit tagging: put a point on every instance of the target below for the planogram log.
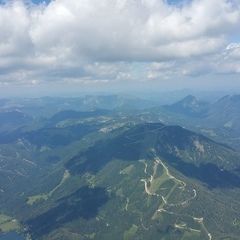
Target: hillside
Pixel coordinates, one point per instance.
(160, 181)
(190, 106)
(69, 172)
(225, 113)
(218, 120)
(12, 119)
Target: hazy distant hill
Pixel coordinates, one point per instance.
(71, 115)
(190, 106)
(10, 120)
(47, 106)
(225, 113)
(219, 119)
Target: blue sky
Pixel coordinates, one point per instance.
(40, 1)
(169, 1)
(120, 44)
(34, 1)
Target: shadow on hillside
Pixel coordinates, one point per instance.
(84, 203)
(209, 174)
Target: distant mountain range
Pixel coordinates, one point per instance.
(221, 112)
(13, 119)
(189, 106)
(46, 106)
(218, 120)
(225, 113)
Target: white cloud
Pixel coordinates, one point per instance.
(100, 40)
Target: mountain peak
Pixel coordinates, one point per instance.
(189, 101)
(189, 97)
(189, 105)
(230, 98)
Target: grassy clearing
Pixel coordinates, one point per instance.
(236, 223)
(43, 197)
(130, 232)
(8, 224)
(127, 170)
(37, 198)
(90, 236)
(158, 182)
(191, 235)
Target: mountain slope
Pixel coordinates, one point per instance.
(11, 120)
(189, 106)
(225, 113)
(161, 182)
(218, 120)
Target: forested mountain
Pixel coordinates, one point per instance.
(102, 173)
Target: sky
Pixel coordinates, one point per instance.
(111, 45)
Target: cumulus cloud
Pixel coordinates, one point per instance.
(100, 40)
